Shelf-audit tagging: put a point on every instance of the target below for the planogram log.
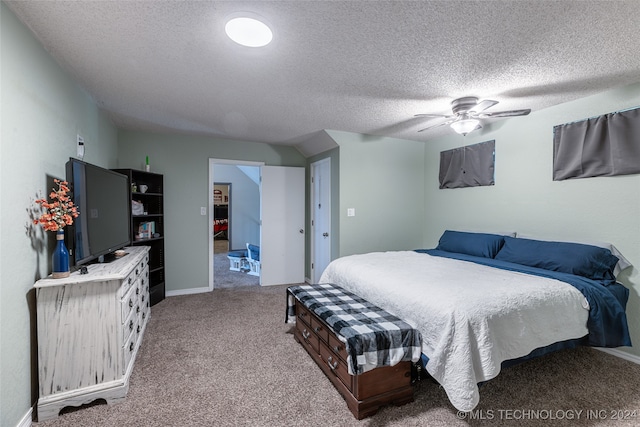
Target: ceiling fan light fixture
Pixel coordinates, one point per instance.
(465, 126)
(250, 32)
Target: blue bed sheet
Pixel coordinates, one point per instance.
(607, 322)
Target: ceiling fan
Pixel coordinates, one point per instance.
(467, 112)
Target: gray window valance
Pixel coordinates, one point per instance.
(470, 166)
(601, 146)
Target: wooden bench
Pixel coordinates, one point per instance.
(364, 393)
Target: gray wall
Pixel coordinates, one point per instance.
(184, 162)
(383, 180)
(42, 112)
(525, 199)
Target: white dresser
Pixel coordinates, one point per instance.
(89, 329)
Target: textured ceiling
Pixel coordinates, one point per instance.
(356, 66)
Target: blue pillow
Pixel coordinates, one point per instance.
(476, 244)
(588, 261)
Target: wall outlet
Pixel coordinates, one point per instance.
(203, 210)
(351, 212)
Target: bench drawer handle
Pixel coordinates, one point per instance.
(333, 365)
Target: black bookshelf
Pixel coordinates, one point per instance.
(147, 194)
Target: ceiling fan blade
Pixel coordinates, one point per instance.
(481, 106)
(448, 122)
(442, 116)
(512, 113)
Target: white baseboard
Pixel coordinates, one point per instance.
(27, 419)
(187, 292)
(621, 354)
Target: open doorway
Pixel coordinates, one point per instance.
(235, 217)
(273, 229)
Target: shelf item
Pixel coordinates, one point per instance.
(147, 223)
(90, 327)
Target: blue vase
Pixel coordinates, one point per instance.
(60, 258)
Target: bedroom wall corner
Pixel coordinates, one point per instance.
(383, 180)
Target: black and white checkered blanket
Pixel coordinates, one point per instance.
(372, 337)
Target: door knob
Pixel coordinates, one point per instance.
(325, 234)
(301, 231)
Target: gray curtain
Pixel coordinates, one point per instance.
(470, 166)
(602, 146)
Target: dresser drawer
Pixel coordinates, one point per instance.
(130, 299)
(129, 348)
(309, 338)
(338, 347)
(320, 329)
(302, 313)
(337, 366)
(129, 325)
(128, 282)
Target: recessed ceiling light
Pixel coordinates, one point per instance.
(248, 31)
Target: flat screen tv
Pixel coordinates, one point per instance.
(102, 198)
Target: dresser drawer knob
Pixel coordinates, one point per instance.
(306, 334)
(337, 348)
(131, 325)
(317, 329)
(130, 303)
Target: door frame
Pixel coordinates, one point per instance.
(212, 163)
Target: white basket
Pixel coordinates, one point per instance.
(137, 208)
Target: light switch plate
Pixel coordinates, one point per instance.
(351, 212)
(80, 147)
(203, 210)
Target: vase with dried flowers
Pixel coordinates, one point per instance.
(59, 212)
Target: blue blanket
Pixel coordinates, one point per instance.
(607, 322)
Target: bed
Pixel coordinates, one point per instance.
(484, 301)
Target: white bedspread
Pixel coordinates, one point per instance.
(471, 317)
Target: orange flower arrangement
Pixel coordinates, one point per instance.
(60, 211)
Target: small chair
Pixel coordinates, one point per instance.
(253, 257)
(238, 260)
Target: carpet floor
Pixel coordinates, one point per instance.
(222, 276)
(226, 358)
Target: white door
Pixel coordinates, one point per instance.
(282, 230)
(320, 217)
